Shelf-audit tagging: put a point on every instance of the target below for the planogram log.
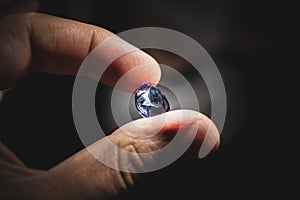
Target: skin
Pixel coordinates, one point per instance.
(38, 42)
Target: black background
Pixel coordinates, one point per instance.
(36, 116)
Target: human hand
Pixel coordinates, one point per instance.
(38, 42)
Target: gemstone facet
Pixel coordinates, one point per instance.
(150, 101)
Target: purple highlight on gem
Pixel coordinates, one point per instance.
(150, 101)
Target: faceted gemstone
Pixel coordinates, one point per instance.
(150, 101)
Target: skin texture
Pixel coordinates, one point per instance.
(38, 42)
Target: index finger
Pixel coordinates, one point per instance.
(50, 44)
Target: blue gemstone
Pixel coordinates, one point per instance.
(150, 101)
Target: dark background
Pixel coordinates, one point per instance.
(36, 116)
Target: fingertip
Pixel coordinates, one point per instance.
(209, 138)
(132, 70)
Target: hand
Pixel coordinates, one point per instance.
(38, 42)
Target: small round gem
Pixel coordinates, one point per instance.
(150, 101)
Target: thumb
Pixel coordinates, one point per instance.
(103, 171)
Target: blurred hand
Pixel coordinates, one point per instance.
(38, 42)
